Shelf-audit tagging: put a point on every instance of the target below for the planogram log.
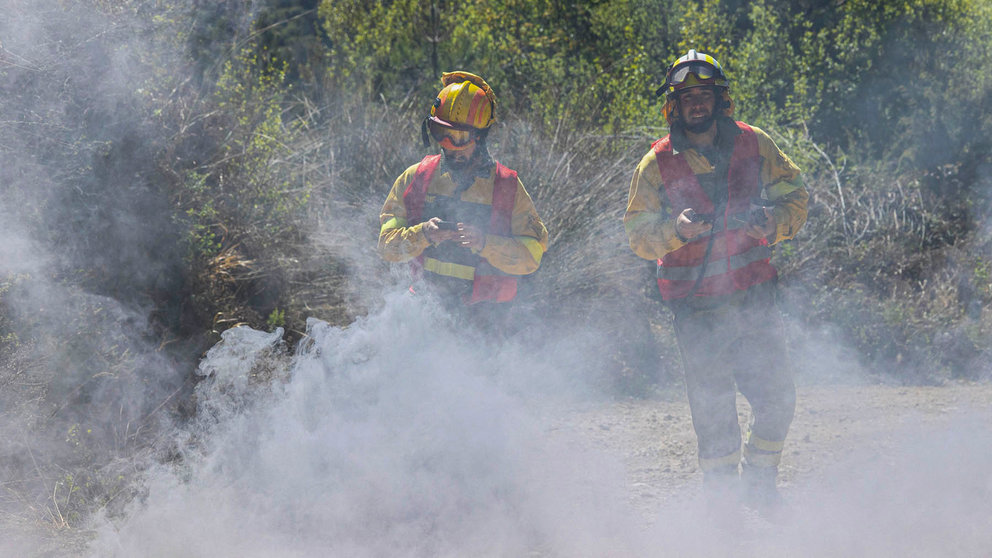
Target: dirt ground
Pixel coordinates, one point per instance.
(655, 441)
(656, 445)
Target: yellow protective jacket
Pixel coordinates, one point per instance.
(649, 220)
(518, 253)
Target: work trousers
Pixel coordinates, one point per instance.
(491, 319)
(739, 345)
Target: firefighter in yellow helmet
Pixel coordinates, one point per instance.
(463, 220)
(707, 202)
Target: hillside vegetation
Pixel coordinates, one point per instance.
(174, 168)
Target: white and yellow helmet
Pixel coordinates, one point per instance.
(694, 69)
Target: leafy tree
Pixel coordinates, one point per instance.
(289, 32)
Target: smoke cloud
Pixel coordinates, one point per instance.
(87, 245)
(394, 436)
(400, 435)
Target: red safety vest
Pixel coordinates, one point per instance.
(737, 261)
(488, 283)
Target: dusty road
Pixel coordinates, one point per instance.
(868, 470)
(871, 470)
(833, 424)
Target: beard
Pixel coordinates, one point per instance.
(456, 161)
(460, 161)
(700, 126)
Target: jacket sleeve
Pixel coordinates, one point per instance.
(520, 253)
(783, 186)
(397, 241)
(649, 225)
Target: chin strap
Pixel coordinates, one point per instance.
(423, 132)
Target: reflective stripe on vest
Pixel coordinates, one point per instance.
(449, 269)
(488, 283)
(736, 261)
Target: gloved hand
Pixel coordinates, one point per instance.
(761, 224)
(436, 235)
(471, 237)
(689, 225)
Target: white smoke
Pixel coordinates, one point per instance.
(923, 492)
(392, 437)
(402, 436)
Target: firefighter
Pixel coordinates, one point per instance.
(707, 202)
(463, 220)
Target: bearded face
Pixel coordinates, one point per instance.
(458, 160)
(697, 109)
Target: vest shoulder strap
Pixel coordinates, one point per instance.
(504, 198)
(416, 192)
(678, 179)
(662, 145)
(746, 144)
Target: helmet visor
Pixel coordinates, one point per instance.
(451, 138)
(702, 70)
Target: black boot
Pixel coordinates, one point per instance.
(722, 486)
(760, 490)
(722, 500)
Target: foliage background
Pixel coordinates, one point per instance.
(173, 168)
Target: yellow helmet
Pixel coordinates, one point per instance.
(465, 100)
(465, 106)
(695, 69)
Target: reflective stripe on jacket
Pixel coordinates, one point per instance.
(736, 261)
(488, 283)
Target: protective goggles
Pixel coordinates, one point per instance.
(702, 70)
(451, 138)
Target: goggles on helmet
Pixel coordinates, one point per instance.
(702, 70)
(450, 138)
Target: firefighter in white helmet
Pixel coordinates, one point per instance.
(463, 220)
(707, 202)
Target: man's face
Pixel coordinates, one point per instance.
(459, 159)
(696, 108)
